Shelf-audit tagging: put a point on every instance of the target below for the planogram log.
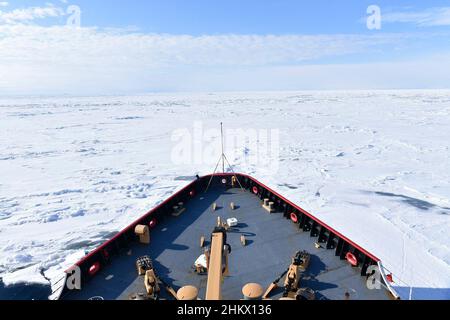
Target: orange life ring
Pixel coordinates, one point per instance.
(255, 190)
(351, 259)
(94, 268)
(294, 217)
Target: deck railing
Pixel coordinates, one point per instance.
(59, 284)
(396, 281)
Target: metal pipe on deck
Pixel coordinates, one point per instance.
(214, 285)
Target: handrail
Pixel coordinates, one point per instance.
(395, 279)
(386, 281)
(56, 293)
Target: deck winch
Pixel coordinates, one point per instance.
(300, 263)
(144, 266)
(292, 289)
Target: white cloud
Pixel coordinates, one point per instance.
(4, 3)
(58, 59)
(426, 18)
(30, 14)
(31, 44)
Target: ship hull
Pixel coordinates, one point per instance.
(339, 268)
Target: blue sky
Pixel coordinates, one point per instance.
(197, 17)
(199, 45)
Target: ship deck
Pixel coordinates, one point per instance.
(271, 242)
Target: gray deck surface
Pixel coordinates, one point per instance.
(272, 241)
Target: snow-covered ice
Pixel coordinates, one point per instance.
(375, 165)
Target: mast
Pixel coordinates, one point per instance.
(223, 159)
(223, 153)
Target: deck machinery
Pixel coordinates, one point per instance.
(269, 236)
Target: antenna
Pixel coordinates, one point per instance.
(223, 153)
(223, 159)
